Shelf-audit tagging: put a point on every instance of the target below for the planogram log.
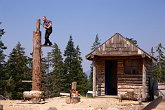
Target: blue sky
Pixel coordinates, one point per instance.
(143, 20)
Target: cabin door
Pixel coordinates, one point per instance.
(111, 77)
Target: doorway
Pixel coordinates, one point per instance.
(111, 77)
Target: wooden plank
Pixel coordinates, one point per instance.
(129, 84)
(64, 94)
(130, 76)
(126, 90)
(129, 87)
(153, 104)
(47, 46)
(29, 81)
(144, 80)
(94, 79)
(131, 79)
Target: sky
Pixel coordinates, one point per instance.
(143, 20)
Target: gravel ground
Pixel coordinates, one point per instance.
(59, 103)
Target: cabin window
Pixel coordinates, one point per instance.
(132, 67)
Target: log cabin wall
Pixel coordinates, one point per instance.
(125, 82)
(132, 66)
(100, 77)
(129, 82)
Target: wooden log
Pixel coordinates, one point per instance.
(94, 79)
(36, 69)
(34, 95)
(74, 84)
(144, 80)
(72, 100)
(75, 100)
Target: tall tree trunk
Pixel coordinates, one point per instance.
(36, 72)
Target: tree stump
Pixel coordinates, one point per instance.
(72, 100)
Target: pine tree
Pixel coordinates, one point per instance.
(18, 70)
(96, 42)
(44, 74)
(70, 54)
(133, 41)
(73, 68)
(81, 76)
(2, 64)
(159, 69)
(56, 77)
(93, 47)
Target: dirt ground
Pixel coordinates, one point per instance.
(59, 103)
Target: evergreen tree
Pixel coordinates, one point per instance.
(44, 74)
(81, 76)
(17, 69)
(133, 41)
(159, 66)
(2, 64)
(93, 47)
(73, 68)
(70, 54)
(96, 42)
(56, 77)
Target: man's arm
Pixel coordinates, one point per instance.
(50, 24)
(47, 26)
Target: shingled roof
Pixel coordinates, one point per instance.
(118, 45)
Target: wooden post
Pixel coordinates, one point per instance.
(36, 70)
(144, 80)
(74, 85)
(94, 79)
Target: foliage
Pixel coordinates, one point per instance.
(17, 69)
(2, 47)
(56, 77)
(81, 76)
(96, 42)
(133, 41)
(93, 47)
(159, 66)
(2, 64)
(73, 68)
(69, 72)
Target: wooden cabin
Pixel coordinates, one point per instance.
(119, 67)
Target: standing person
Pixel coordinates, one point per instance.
(48, 26)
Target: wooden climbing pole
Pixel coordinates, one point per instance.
(36, 62)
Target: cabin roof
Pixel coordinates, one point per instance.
(118, 45)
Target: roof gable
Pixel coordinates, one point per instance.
(117, 45)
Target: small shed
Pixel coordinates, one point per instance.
(120, 66)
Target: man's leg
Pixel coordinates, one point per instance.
(49, 31)
(46, 38)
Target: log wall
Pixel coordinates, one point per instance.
(100, 78)
(125, 82)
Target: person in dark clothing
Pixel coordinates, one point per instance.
(48, 26)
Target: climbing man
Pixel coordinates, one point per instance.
(48, 26)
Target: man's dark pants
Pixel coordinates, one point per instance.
(47, 34)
